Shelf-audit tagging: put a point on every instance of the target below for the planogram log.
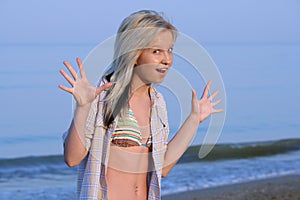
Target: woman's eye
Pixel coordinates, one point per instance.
(156, 51)
(170, 50)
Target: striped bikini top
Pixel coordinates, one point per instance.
(128, 132)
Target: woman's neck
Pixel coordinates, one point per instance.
(140, 91)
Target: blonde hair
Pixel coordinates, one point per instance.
(135, 33)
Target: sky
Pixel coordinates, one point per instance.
(73, 21)
(254, 71)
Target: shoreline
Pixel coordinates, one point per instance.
(283, 187)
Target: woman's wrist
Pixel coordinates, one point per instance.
(194, 118)
(82, 109)
(86, 106)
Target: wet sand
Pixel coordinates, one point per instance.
(279, 188)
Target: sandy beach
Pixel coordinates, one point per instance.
(279, 188)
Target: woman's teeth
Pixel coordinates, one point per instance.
(162, 70)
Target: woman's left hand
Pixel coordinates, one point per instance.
(204, 107)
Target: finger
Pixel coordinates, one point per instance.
(216, 102)
(214, 95)
(194, 96)
(81, 68)
(103, 87)
(70, 90)
(218, 111)
(194, 101)
(71, 70)
(206, 90)
(67, 77)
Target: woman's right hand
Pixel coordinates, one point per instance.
(83, 92)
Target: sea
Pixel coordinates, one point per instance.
(260, 137)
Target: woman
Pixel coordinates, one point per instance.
(119, 133)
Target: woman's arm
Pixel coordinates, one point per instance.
(74, 145)
(201, 109)
(84, 94)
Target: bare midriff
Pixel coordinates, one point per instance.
(127, 173)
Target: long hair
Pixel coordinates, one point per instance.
(135, 33)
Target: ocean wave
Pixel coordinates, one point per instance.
(242, 150)
(33, 166)
(30, 161)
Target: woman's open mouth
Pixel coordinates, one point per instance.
(162, 70)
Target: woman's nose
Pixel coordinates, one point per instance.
(167, 59)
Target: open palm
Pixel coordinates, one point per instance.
(205, 106)
(83, 92)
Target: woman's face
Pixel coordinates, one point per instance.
(155, 61)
